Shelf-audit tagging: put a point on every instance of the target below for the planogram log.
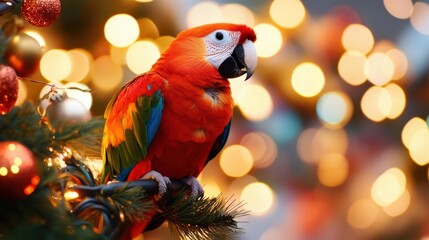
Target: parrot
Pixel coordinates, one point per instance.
(170, 121)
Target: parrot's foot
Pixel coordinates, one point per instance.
(196, 188)
(162, 181)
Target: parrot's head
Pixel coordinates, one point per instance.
(221, 49)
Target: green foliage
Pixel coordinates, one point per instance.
(132, 202)
(199, 217)
(23, 124)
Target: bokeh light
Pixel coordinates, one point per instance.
(211, 189)
(357, 37)
(287, 13)
(313, 144)
(121, 30)
(333, 170)
(334, 109)
(362, 214)
(255, 102)
(81, 61)
(106, 74)
(398, 98)
(141, 56)
(237, 13)
(401, 9)
(308, 79)
(263, 148)
(204, 13)
(412, 127)
(270, 40)
(351, 67)
(148, 29)
(399, 206)
(376, 103)
(420, 17)
(55, 65)
(163, 42)
(119, 55)
(389, 187)
(236, 161)
(419, 145)
(259, 198)
(237, 84)
(400, 63)
(379, 68)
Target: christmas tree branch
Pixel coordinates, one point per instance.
(191, 217)
(83, 137)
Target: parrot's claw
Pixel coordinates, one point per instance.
(196, 188)
(163, 182)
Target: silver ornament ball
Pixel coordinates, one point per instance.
(67, 111)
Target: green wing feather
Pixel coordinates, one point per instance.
(145, 122)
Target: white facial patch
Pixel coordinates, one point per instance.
(220, 44)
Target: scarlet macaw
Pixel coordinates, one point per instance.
(172, 120)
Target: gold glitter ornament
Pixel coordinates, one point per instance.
(23, 53)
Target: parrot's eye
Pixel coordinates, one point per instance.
(219, 35)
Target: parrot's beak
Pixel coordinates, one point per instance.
(243, 60)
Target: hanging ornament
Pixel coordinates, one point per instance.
(63, 110)
(41, 13)
(8, 88)
(18, 171)
(23, 53)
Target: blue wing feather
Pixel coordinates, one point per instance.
(120, 160)
(219, 142)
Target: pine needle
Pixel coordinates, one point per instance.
(199, 217)
(132, 202)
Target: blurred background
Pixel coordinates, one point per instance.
(330, 137)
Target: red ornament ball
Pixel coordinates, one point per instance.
(41, 13)
(18, 171)
(8, 89)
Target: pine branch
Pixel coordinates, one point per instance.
(83, 137)
(191, 217)
(199, 217)
(132, 202)
(22, 124)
